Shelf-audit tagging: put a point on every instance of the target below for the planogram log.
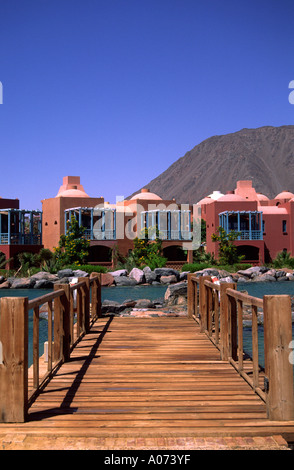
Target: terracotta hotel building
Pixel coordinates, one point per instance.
(266, 226)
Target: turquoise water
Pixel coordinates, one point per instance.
(259, 289)
(121, 293)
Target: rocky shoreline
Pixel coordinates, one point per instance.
(175, 298)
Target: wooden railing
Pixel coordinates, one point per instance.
(67, 302)
(219, 309)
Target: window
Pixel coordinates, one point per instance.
(284, 226)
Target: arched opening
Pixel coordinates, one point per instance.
(250, 252)
(174, 253)
(100, 254)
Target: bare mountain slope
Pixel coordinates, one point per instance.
(264, 155)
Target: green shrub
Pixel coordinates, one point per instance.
(196, 267)
(283, 260)
(88, 268)
(232, 268)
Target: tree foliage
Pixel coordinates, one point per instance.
(73, 247)
(147, 249)
(228, 253)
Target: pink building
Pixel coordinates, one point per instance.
(266, 226)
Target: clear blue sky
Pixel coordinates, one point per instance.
(115, 91)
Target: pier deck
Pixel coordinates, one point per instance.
(149, 379)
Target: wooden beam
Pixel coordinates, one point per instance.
(14, 361)
(279, 370)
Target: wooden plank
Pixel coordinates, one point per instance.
(124, 378)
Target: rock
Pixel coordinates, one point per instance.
(144, 303)
(264, 278)
(168, 279)
(248, 272)
(23, 283)
(211, 272)
(280, 274)
(44, 284)
(138, 275)
(226, 279)
(166, 272)
(80, 273)
(43, 275)
(110, 306)
(147, 269)
(180, 288)
(124, 281)
(5, 285)
(176, 291)
(119, 272)
(271, 272)
(158, 303)
(65, 273)
(129, 303)
(224, 273)
(107, 279)
(150, 276)
(63, 280)
(184, 276)
(181, 300)
(282, 278)
(243, 279)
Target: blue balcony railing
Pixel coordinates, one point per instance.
(20, 239)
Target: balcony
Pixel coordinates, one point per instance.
(99, 224)
(247, 223)
(170, 224)
(20, 227)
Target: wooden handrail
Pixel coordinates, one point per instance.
(14, 339)
(44, 299)
(219, 310)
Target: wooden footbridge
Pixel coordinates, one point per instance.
(156, 376)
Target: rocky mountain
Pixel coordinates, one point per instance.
(264, 155)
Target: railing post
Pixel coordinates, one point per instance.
(96, 295)
(225, 320)
(58, 325)
(64, 303)
(278, 367)
(191, 296)
(86, 305)
(13, 359)
(202, 303)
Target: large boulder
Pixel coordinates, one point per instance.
(65, 273)
(80, 273)
(144, 303)
(124, 281)
(23, 283)
(44, 284)
(150, 276)
(176, 293)
(107, 279)
(264, 278)
(255, 270)
(110, 306)
(168, 279)
(138, 275)
(166, 272)
(44, 276)
(5, 285)
(119, 272)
